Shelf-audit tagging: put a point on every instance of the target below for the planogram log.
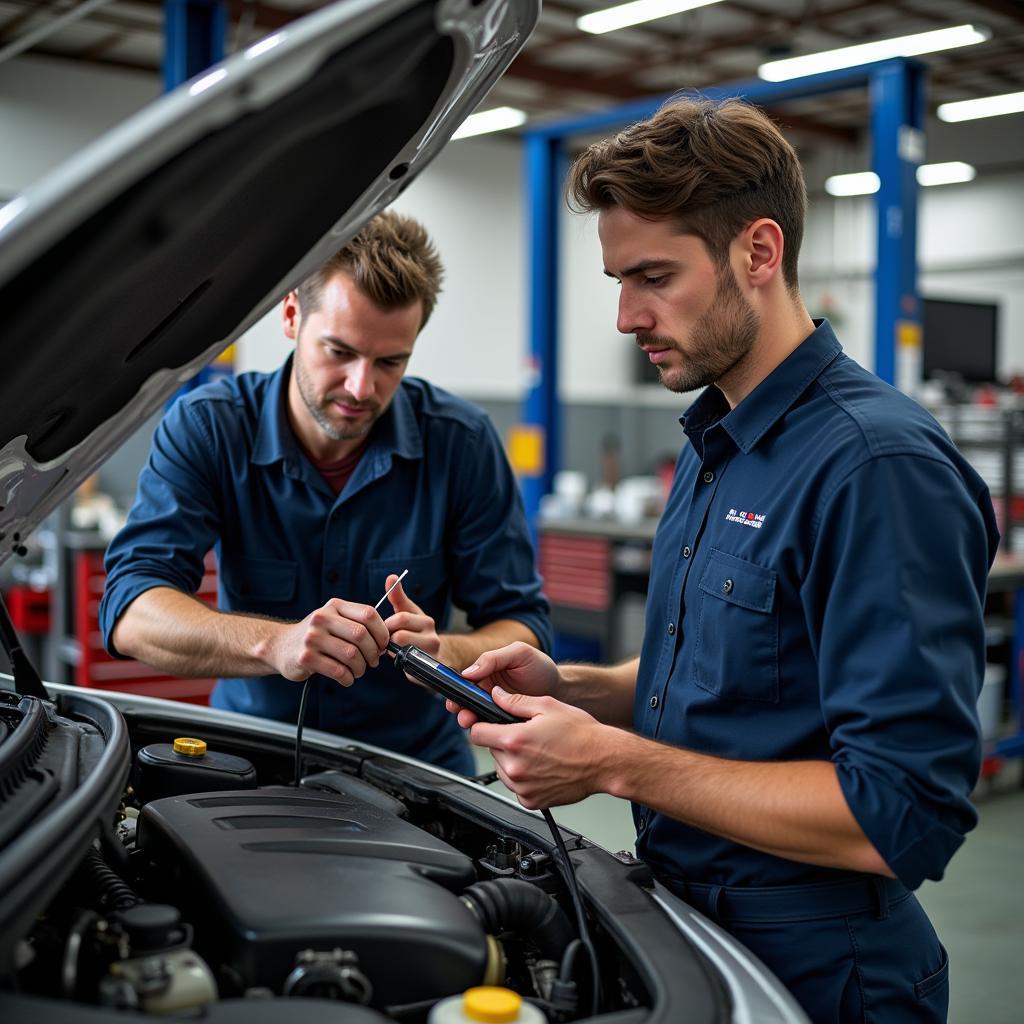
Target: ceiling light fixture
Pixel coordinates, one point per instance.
(868, 53)
(497, 119)
(863, 183)
(624, 15)
(987, 106)
(951, 173)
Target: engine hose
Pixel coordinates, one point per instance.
(113, 892)
(509, 904)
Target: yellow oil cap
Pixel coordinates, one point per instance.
(491, 1004)
(189, 747)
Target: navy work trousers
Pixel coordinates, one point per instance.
(859, 950)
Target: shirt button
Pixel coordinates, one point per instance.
(687, 552)
(641, 824)
(653, 701)
(727, 587)
(671, 629)
(332, 577)
(709, 477)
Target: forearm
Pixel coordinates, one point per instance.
(182, 636)
(460, 650)
(604, 692)
(794, 810)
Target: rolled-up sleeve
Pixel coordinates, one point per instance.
(894, 598)
(493, 569)
(172, 524)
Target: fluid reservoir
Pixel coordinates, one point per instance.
(486, 1004)
(187, 766)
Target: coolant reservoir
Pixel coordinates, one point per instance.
(187, 766)
(486, 1004)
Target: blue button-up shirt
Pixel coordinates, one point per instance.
(433, 493)
(816, 592)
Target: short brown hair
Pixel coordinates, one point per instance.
(392, 261)
(712, 166)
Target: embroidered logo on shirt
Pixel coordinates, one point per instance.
(753, 519)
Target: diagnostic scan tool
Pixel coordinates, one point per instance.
(446, 681)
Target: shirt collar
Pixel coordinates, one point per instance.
(772, 398)
(397, 432)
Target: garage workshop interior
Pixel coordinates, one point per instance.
(170, 170)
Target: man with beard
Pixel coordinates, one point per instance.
(799, 735)
(315, 485)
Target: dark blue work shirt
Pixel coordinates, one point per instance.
(817, 589)
(433, 493)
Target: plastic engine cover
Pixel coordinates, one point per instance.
(263, 874)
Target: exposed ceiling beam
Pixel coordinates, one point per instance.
(12, 24)
(68, 16)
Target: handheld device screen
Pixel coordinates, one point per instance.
(448, 683)
(462, 683)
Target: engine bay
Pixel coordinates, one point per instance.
(375, 888)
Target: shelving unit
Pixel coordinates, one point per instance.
(992, 439)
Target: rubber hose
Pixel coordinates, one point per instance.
(114, 893)
(509, 904)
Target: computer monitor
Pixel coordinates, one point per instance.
(960, 337)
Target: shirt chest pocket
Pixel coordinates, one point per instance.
(424, 584)
(736, 655)
(256, 583)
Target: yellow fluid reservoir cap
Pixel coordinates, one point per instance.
(189, 747)
(491, 1004)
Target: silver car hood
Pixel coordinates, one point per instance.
(133, 265)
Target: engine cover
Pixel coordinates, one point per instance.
(264, 874)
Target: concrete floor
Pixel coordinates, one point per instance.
(978, 908)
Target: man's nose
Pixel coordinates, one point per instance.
(633, 318)
(360, 383)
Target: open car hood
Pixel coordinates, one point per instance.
(133, 265)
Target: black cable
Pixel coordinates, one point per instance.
(298, 731)
(577, 902)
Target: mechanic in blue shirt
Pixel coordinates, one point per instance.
(315, 485)
(804, 705)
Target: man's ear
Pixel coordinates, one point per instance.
(763, 245)
(290, 315)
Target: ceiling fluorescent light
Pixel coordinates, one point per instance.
(624, 15)
(945, 174)
(867, 53)
(863, 183)
(987, 106)
(495, 120)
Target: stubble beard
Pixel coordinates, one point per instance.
(719, 341)
(317, 407)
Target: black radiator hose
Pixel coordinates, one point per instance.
(511, 905)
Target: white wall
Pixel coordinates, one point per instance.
(51, 108)
(471, 201)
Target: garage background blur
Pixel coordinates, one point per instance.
(594, 465)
